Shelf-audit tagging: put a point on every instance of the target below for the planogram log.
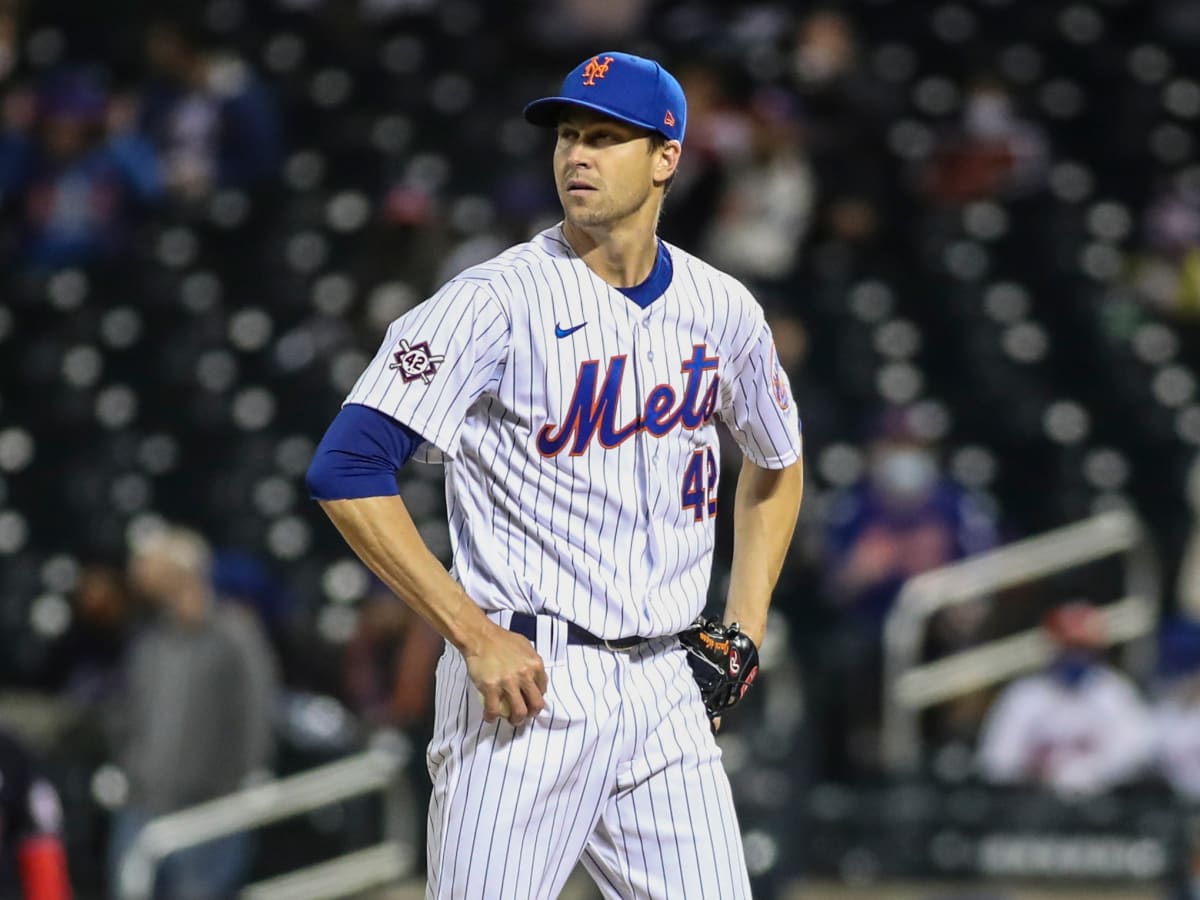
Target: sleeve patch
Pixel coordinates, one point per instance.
(778, 382)
(415, 361)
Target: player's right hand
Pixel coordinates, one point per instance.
(509, 674)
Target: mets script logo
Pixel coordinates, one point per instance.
(595, 69)
(593, 412)
(415, 361)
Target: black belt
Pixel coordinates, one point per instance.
(525, 624)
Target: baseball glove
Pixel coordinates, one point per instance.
(724, 663)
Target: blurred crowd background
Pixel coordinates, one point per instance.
(975, 228)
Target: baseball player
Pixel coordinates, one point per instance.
(572, 386)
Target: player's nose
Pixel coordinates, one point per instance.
(577, 156)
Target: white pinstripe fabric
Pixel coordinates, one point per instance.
(581, 534)
(604, 531)
(619, 768)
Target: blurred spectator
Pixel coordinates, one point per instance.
(1165, 270)
(73, 173)
(847, 114)
(904, 517)
(1080, 727)
(825, 51)
(1177, 707)
(195, 720)
(32, 855)
(389, 663)
(846, 110)
(215, 122)
(765, 208)
(717, 130)
(84, 664)
(993, 154)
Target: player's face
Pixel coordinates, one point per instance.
(604, 169)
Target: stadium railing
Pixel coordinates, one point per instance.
(377, 770)
(911, 686)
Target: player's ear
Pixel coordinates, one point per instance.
(667, 161)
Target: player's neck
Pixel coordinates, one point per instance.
(621, 256)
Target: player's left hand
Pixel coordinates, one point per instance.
(724, 662)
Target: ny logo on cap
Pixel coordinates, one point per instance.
(595, 69)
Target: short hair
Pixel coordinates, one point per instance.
(182, 547)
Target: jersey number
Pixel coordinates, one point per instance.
(700, 484)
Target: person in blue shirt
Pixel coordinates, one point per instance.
(213, 119)
(905, 516)
(74, 176)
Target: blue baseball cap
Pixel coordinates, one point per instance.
(627, 87)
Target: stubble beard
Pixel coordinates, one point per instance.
(602, 213)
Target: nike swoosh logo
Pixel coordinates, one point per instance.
(561, 332)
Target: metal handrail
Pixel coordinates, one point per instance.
(345, 876)
(971, 670)
(374, 771)
(909, 687)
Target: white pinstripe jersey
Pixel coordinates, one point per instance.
(578, 429)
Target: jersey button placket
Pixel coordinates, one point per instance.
(642, 449)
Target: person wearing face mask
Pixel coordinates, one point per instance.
(1079, 727)
(905, 516)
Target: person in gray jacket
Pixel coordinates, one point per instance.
(194, 718)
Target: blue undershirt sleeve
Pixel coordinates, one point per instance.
(360, 454)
